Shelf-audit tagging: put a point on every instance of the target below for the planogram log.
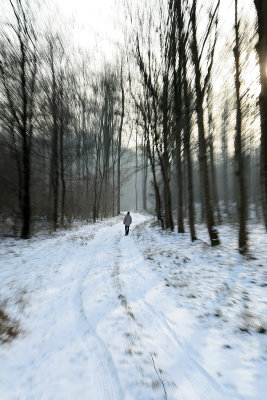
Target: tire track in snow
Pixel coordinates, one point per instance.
(192, 378)
(133, 340)
(103, 372)
(142, 356)
(133, 362)
(60, 357)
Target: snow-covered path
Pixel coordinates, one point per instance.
(103, 320)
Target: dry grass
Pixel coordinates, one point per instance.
(9, 327)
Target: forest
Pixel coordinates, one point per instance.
(174, 124)
(133, 199)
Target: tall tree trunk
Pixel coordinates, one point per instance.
(95, 210)
(26, 201)
(214, 180)
(26, 169)
(261, 7)
(55, 179)
(17, 156)
(144, 177)
(62, 173)
(225, 156)
(151, 156)
(54, 159)
(26, 145)
(177, 84)
(212, 162)
(136, 171)
(157, 197)
(180, 206)
(205, 178)
(187, 149)
(119, 148)
(185, 185)
(213, 234)
(202, 194)
(239, 158)
(191, 208)
(106, 134)
(113, 177)
(165, 163)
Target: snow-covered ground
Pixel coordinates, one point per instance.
(148, 316)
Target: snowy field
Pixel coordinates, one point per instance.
(148, 316)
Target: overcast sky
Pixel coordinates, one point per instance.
(102, 20)
(92, 24)
(95, 21)
(97, 25)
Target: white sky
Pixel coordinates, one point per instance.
(91, 24)
(95, 23)
(99, 23)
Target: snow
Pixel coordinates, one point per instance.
(147, 316)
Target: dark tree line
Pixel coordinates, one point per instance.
(261, 8)
(174, 95)
(167, 105)
(61, 127)
(65, 127)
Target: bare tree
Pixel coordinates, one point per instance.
(200, 92)
(176, 36)
(187, 147)
(239, 157)
(144, 176)
(18, 69)
(224, 127)
(119, 142)
(261, 8)
(149, 126)
(160, 101)
(211, 153)
(54, 109)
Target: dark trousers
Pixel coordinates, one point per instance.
(127, 230)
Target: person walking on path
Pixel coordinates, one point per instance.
(127, 222)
